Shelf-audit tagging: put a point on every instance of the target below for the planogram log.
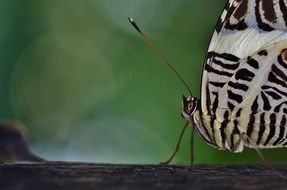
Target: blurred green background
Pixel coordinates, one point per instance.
(88, 88)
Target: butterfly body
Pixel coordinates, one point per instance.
(244, 80)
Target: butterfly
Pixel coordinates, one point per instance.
(244, 81)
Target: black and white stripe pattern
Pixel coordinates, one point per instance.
(244, 82)
(264, 114)
(239, 15)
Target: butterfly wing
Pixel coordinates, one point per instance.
(245, 21)
(243, 34)
(258, 91)
(239, 34)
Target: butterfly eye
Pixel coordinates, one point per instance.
(190, 106)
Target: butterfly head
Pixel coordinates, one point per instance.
(189, 106)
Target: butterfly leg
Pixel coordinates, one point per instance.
(242, 137)
(176, 147)
(264, 159)
(238, 143)
(192, 146)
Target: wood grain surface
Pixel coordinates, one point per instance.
(67, 175)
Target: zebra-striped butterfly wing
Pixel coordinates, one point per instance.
(244, 81)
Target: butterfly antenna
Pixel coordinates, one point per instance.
(158, 52)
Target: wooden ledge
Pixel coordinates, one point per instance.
(68, 175)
